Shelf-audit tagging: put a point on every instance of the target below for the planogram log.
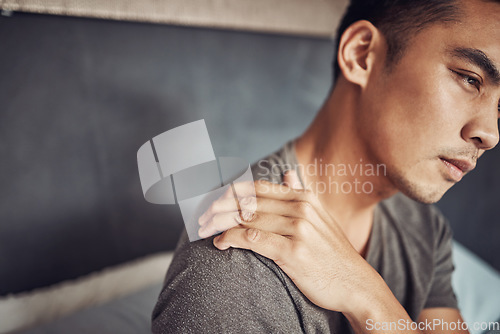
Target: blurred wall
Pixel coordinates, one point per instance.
(80, 96)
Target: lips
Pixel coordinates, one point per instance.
(457, 168)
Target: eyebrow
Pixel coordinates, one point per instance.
(481, 60)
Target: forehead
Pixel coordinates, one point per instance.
(485, 13)
(478, 27)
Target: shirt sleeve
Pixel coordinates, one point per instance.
(441, 293)
(232, 291)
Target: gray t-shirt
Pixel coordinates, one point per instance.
(237, 291)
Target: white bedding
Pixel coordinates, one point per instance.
(48, 304)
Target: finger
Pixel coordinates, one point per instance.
(263, 188)
(225, 203)
(248, 204)
(230, 202)
(230, 191)
(291, 179)
(293, 209)
(268, 244)
(243, 187)
(247, 194)
(278, 224)
(220, 222)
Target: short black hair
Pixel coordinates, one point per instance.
(397, 20)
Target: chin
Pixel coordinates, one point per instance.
(426, 197)
(423, 192)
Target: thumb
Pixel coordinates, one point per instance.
(291, 179)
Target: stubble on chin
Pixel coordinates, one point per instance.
(423, 192)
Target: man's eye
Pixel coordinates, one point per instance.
(472, 81)
(469, 80)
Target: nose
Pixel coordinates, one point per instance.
(482, 130)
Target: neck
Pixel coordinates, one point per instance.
(336, 165)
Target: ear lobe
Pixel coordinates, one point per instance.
(356, 49)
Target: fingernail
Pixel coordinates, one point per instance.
(247, 216)
(237, 218)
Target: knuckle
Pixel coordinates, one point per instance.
(248, 216)
(253, 234)
(213, 209)
(214, 220)
(309, 196)
(304, 208)
(301, 226)
(308, 192)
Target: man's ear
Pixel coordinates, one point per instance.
(358, 49)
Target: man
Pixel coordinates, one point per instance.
(417, 91)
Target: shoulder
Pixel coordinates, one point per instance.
(208, 288)
(201, 259)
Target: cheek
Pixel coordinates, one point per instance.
(414, 116)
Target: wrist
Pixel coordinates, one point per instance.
(376, 304)
(371, 298)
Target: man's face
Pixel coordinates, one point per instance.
(431, 117)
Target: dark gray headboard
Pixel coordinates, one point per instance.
(79, 96)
